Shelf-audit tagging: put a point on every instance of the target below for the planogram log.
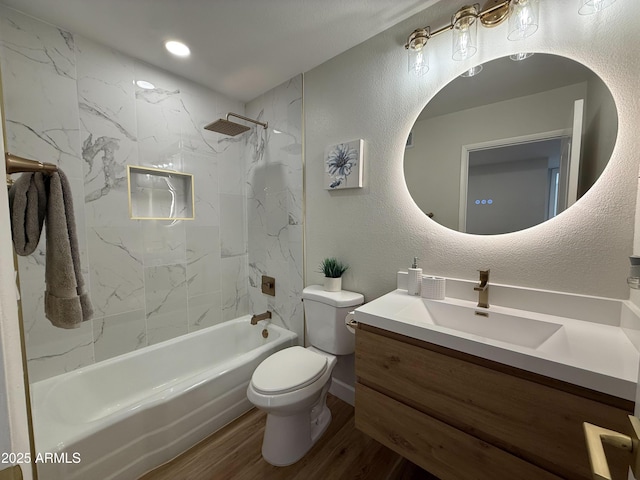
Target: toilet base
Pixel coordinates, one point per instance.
(288, 438)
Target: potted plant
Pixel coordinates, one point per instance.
(333, 270)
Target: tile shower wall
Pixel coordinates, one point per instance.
(73, 102)
(274, 201)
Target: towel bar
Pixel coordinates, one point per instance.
(16, 164)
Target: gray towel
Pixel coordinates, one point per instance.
(28, 204)
(66, 304)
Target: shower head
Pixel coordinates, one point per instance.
(227, 127)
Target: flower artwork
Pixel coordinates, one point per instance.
(343, 165)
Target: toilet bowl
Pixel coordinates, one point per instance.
(297, 414)
(291, 385)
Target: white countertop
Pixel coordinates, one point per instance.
(598, 356)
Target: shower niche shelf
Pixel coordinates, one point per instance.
(156, 194)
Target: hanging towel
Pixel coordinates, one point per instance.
(66, 304)
(28, 204)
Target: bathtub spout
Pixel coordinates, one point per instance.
(263, 316)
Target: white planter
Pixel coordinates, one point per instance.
(333, 284)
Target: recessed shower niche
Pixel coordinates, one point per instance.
(156, 194)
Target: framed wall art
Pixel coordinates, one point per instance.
(343, 165)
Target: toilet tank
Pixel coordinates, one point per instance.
(324, 315)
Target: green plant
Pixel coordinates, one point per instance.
(332, 267)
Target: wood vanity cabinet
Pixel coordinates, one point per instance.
(463, 417)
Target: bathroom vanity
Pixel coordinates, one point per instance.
(464, 401)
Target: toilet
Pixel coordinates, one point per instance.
(291, 385)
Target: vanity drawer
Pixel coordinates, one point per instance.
(531, 420)
(435, 446)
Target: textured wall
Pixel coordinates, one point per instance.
(367, 93)
(73, 102)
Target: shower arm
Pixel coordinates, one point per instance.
(264, 125)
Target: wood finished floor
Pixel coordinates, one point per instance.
(343, 453)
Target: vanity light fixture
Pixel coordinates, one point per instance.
(593, 6)
(418, 60)
(179, 49)
(523, 22)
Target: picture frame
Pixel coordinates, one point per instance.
(343, 165)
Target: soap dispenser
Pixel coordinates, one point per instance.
(415, 278)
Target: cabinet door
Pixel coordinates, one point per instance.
(437, 447)
(604, 461)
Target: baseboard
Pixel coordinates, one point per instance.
(11, 473)
(343, 391)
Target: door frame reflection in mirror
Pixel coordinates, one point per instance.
(501, 225)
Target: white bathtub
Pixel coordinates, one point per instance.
(127, 415)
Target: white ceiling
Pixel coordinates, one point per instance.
(241, 48)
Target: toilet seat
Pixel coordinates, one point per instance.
(288, 370)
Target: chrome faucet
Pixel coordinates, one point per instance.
(263, 316)
(483, 289)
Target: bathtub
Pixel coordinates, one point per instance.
(119, 418)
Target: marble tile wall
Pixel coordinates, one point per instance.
(75, 103)
(275, 203)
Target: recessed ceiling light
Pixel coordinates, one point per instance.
(177, 48)
(146, 85)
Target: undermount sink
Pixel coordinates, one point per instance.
(508, 328)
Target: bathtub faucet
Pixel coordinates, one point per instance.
(263, 316)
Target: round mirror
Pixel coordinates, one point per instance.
(512, 145)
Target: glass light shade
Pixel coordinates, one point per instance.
(593, 6)
(472, 72)
(465, 37)
(523, 19)
(518, 57)
(418, 61)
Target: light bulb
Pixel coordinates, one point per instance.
(463, 46)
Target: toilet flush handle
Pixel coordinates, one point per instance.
(351, 322)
